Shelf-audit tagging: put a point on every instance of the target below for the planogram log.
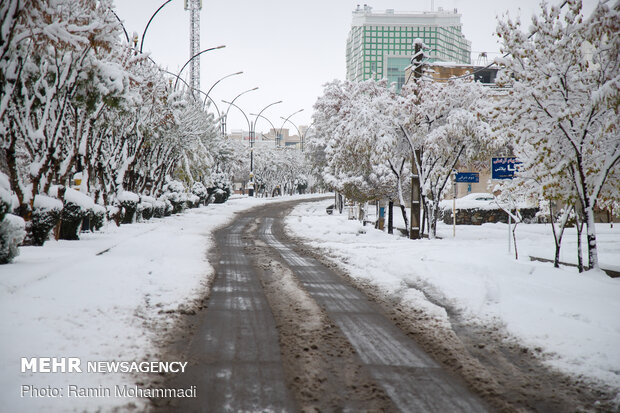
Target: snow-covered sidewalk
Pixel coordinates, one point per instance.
(106, 297)
(573, 318)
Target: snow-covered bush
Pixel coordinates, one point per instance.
(45, 216)
(77, 206)
(174, 193)
(146, 208)
(12, 228)
(114, 213)
(128, 201)
(301, 184)
(5, 195)
(12, 233)
(220, 190)
(159, 209)
(192, 201)
(200, 191)
(97, 217)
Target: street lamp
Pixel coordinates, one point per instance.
(259, 115)
(211, 88)
(147, 25)
(251, 189)
(225, 117)
(275, 131)
(219, 115)
(192, 58)
(286, 119)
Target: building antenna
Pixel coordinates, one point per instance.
(194, 7)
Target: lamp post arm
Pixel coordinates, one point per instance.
(225, 77)
(291, 122)
(121, 23)
(219, 115)
(192, 58)
(150, 20)
(241, 110)
(261, 116)
(236, 97)
(287, 118)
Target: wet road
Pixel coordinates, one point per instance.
(236, 356)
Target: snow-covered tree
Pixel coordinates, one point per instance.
(445, 122)
(562, 113)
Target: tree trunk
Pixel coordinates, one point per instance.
(579, 228)
(403, 210)
(557, 236)
(390, 217)
(591, 230)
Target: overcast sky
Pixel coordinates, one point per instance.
(287, 48)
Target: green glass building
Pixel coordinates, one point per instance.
(380, 45)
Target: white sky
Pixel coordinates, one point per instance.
(287, 48)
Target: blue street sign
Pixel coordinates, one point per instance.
(467, 177)
(504, 168)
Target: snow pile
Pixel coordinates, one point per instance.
(571, 317)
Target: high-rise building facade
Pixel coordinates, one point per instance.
(380, 45)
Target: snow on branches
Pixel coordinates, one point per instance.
(562, 111)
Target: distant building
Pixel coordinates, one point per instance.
(284, 138)
(380, 45)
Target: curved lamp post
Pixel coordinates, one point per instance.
(251, 189)
(192, 58)
(225, 117)
(225, 77)
(259, 115)
(150, 20)
(189, 87)
(286, 119)
(275, 131)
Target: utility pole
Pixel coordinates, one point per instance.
(416, 158)
(194, 7)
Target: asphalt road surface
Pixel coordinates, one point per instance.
(282, 332)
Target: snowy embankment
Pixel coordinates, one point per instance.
(106, 297)
(573, 318)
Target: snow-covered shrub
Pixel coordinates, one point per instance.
(174, 192)
(97, 217)
(128, 201)
(301, 184)
(192, 201)
(46, 215)
(114, 213)
(77, 206)
(146, 208)
(200, 191)
(159, 209)
(5, 195)
(12, 233)
(220, 191)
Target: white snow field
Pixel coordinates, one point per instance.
(106, 297)
(573, 318)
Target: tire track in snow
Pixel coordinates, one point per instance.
(409, 376)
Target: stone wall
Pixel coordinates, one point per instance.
(474, 216)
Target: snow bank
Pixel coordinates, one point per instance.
(572, 317)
